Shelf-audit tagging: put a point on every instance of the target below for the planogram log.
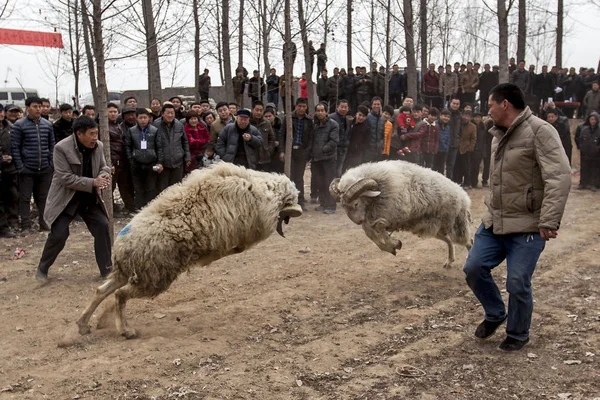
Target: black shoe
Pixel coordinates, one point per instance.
(487, 328)
(41, 275)
(44, 227)
(512, 344)
(484, 184)
(320, 208)
(7, 233)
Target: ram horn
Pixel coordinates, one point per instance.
(334, 188)
(358, 188)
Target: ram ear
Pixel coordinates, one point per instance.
(334, 189)
(371, 193)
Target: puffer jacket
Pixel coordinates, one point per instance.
(229, 140)
(455, 125)
(377, 126)
(591, 102)
(117, 152)
(346, 85)
(448, 84)
(326, 138)
(5, 150)
(268, 139)
(344, 137)
(588, 140)
(365, 87)
(62, 129)
(176, 148)
(146, 158)
(32, 144)
(530, 177)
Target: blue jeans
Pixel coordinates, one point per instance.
(450, 161)
(273, 97)
(521, 251)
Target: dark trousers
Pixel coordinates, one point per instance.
(9, 196)
(122, 177)
(427, 160)
(487, 159)
(414, 158)
(203, 95)
(433, 100)
(266, 167)
(96, 222)
(339, 162)
(298, 167)
(314, 187)
(323, 172)
(467, 98)
(590, 173)
(483, 100)
(360, 98)
(144, 185)
(38, 184)
(450, 162)
(169, 176)
(283, 103)
(475, 163)
(273, 97)
(439, 162)
(463, 169)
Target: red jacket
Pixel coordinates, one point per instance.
(431, 83)
(430, 138)
(198, 138)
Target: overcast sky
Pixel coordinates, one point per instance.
(31, 65)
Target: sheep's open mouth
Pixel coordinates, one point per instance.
(285, 215)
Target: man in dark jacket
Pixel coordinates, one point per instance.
(395, 87)
(561, 124)
(321, 59)
(63, 127)
(480, 146)
(431, 88)
(520, 77)
(240, 142)
(302, 139)
(256, 87)
(80, 175)
(32, 147)
(120, 166)
(273, 88)
(377, 125)
(359, 136)
(544, 85)
(455, 125)
(322, 87)
(176, 148)
(341, 117)
(144, 149)
(268, 136)
(364, 86)
(346, 86)
(204, 85)
(332, 89)
(487, 80)
(324, 152)
(239, 84)
(9, 194)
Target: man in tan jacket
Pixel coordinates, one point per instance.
(80, 173)
(529, 185)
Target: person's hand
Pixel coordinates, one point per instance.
(112, 169)
(188, 164)
(247, 137)
(548, 234)
(159, 168)
(282, 156)
(101, 182)
(6, 158)
(276, 143)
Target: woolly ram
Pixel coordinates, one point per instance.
(391, 196)
(213, 213)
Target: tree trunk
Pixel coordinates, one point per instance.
(372, 34)
(73, 21)
(307, 58)
(423, 35)
(87, 28)
(287, 67)
(559, 33)
(154, 84)
(196, 51)
(219, 47)
(349, 34)
(411, 62)
(226, 53)
(326, 23)
(502, 41)
(241, 36)
(522, 30)
(107, 196)
(265, 38)
(388, 53)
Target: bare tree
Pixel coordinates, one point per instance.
(87, 39)
(308, 63)
(287, 67)
(411, 63)
(241, 36)
(423, 34)
(522, 30)
(349, 33)
(388, 52)
(226, 51)
(152, 59)
(196, 50)
(559, 32)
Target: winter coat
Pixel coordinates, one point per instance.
(469, 81)
(365, 87)
(307, 133)
(544, 86)
(62, 129)
(482, 138)
(332, 87)
(359, 138)
(468, 138)
(229, 140)
(521, 79)
(303, 88)
(530, 177)
(176, 148)
(487, 81)
(377, 126)
(414, 136)
(455, 128)
(444, 137)
(326, 138)
(395, 83)
(197, 137)
(5, 150)
(273, 84)
(253, 85)
(431, 83)
(268, 139)
(344, 129)
(32, 144)
(117, 139)
(322, 90)
(572, 87)
(591, 102)
(68, 177)
(448, 84)
(429, 138)
(204, 83)
(217, 127)
(588, 140)
(239, 84)
(144, 158)
(347, 83)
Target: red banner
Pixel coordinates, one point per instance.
(30, 38)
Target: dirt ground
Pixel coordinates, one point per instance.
(322, 314)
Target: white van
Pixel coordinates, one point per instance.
(16, 96)
(88, 99)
